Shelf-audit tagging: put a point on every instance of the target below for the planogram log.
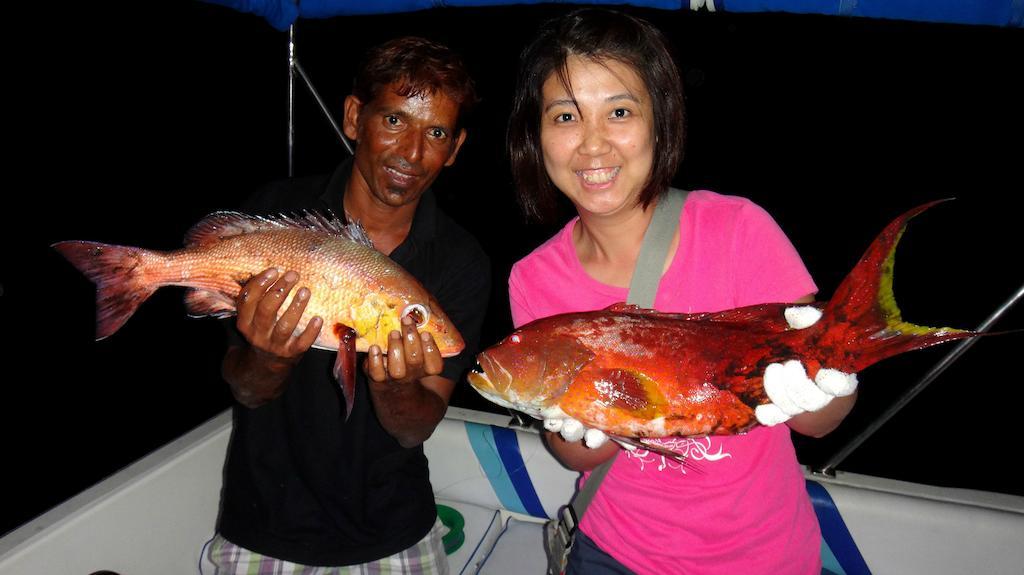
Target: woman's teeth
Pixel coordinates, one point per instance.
(599, 176)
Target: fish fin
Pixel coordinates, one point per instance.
(345, 367)
(221, 225)
(764, 317)
(769, 317)
(862, 315)
(631, 443)
(118, 272)
(623, 307)
(205, 303)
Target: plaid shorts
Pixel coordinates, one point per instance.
(426, 557)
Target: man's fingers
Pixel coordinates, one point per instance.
(289, 320)
(266, 310)
(375, 365)
(432, 361)
(308, 336)
(411, 343)
(411, 354)
(251, 295)
(396, 356)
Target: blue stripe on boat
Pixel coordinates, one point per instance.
(829, 564)
(508, 449)
(835, 536)
(481, 438)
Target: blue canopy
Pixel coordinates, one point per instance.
(282, 13)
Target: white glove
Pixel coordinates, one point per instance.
(788, 386)
(572, 430)
(793, 393)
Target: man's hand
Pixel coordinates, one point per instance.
(258, 303)
(257, 372)
(408, 393)
(411, 356)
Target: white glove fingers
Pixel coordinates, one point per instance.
(553, 425)
(594, 438)
(572, 430)
(835, 382)
(769, 414)
(791, 392)
(778, 379)
(802, 316)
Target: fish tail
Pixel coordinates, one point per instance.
(119, 274)
(862, 322)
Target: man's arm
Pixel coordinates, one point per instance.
(408, 395)
(258, 369)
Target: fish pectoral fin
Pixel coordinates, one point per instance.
(345, 367)
(633, 443)
(204, 303)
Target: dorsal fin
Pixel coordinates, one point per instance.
(765, 317)
(220, 225)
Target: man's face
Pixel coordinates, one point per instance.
(403, 143)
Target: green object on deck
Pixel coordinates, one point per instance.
(455, 522)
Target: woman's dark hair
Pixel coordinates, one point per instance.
(598, 35)
(418, 66)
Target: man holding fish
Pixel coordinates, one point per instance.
(310, 481)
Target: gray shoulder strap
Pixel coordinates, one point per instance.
(647, 275)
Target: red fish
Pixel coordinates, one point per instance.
(360, 293)
(637, 373)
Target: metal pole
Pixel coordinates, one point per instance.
(941, 366)
(291, 99)
(323, 107)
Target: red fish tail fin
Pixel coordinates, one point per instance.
(863, 322)
(118, 272)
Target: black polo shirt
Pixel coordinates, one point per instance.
(303, 484)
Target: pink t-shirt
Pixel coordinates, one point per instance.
(746, 511)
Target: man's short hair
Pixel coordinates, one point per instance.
(418, 67)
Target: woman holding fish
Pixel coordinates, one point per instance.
(599, 116)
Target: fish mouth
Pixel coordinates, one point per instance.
(448, 339)
(481, 378)
(482, 384)
(480, 381)
(449, 342)
(496, 384)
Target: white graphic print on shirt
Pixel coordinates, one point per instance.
(694, 449)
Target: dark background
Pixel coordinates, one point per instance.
(133, 120)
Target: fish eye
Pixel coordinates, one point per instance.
(514, 338)
(419, 314)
